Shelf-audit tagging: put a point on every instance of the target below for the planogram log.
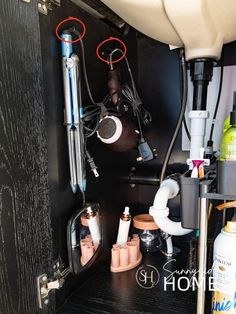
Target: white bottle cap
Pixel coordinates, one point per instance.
(126, 211)
(230, 227)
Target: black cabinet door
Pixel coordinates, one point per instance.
(25, 227)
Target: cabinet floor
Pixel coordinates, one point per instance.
(108, 292)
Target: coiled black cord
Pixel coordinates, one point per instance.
(137, 105)
(92, 116)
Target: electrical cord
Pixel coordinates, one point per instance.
(184, 121)
(143, 117)
(76, 32)
(186, 129)
(91, 162)
(209, 153)
(132, 96)
(218, 99)
(180, 118)
(135, 102)
(94, 113)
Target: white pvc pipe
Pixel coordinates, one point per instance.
(169, 188)
(171, 227)
(198, 130)
(161, 197)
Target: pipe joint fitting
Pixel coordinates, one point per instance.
(159, 212)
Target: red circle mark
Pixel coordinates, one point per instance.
(71, 18)
(104, 42)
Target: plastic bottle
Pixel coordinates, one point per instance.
(124, 226)
(224, 271)
(226, 124)
(228, 142)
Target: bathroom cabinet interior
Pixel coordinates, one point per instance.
(36, 201)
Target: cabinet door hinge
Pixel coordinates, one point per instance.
(44, 6)
(45, 284)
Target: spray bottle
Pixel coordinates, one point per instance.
(124, 226)
(224, 271)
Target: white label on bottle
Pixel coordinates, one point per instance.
(224, 273)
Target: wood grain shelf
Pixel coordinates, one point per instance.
(108, 292)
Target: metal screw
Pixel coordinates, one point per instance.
(46, 301)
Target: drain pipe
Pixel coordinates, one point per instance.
(169, 188)
(201, 71)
